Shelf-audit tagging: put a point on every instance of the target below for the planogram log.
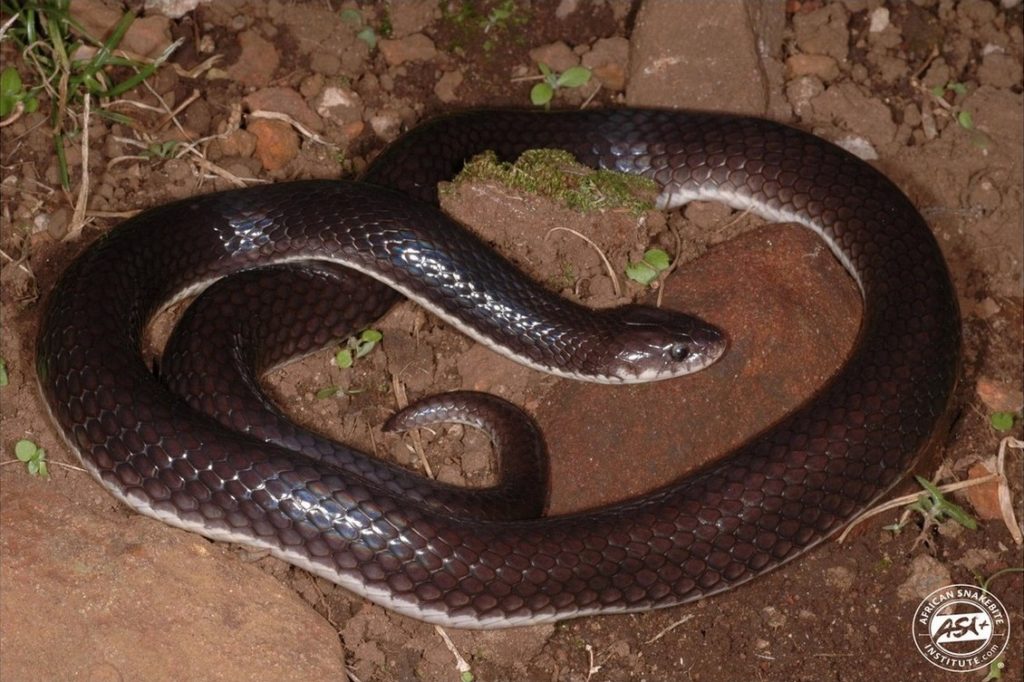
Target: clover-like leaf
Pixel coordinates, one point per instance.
(368, 36)
(657, 259)
(574, 77)
(352, 16)
(647, 270)
(640, 271)
(541, 94)
(10, 90)
(25, 450)
(371, 336)
(1002, 421)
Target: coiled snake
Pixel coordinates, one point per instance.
(759, 506)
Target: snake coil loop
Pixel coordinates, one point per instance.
(761, 505)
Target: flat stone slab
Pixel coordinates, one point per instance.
(716, 55)
(791, 312)
(114, 597)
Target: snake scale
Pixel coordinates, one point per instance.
(756, 508)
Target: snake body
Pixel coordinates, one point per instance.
(759, 506)
(245, 325)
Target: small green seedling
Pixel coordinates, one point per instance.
(4, 379)
(12, 93)
(33, 456)
(367, 34)
(468, 21)
(952, 86)
(645, 271)
(996, 667)
(1002, 421)
(357, 347)
(499, 17)
(963, 117)
(71, 65)
(995, 670)
(542, 93)
(934, 506)
(162, 150)
(984, 583)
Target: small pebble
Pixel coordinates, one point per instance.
(999, 396)
(879, 20)
(926, 574)
(773, 618)
(859, 147)
(386, 124)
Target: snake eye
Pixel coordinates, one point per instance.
(679, 352)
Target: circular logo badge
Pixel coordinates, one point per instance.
(961, 628)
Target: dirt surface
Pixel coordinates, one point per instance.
(90, 590)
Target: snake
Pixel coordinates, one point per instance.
(760, 505)
(244, 326)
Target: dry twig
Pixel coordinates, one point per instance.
(78, 218)
(417, 443)
(460, 663)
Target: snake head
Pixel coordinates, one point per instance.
(651, 344)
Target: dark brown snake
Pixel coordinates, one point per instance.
(761, 505)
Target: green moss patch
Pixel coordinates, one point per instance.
(558, 175)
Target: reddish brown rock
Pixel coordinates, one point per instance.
(984, 497)
(677, 59)
(285, 101)
(237, 143)
(124, 597)
(608, 61)
(446, 86)
(558, 56)
(258, 61)
(276, 142)
(414, 48)
(818, 65)
(824, 31)
(146, 37)
(999, 396)
(791, 313)
(197, 119)
(411, 16)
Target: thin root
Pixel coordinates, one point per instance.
(460, 663)
(303, 130)
(78, 218)
(608, 266)
(417, 443)
(668, 629)
(19, 109)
